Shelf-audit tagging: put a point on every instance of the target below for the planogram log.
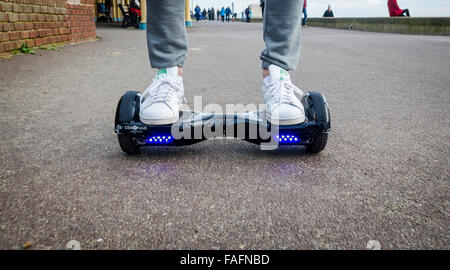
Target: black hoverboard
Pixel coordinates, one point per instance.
(193, 127)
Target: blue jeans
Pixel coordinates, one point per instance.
(305, 17)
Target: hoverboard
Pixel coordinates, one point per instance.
(193, 127)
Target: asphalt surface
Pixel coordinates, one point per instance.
(383, 176)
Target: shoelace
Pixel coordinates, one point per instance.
(158, 93)
(284, 92)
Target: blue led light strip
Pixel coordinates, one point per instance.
(160, 139)
(287, 139)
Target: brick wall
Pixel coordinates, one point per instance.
(81, 20)
(41, 22)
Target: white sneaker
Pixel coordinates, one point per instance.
(282, 106)
(160, 103)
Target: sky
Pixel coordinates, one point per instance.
(350, 8)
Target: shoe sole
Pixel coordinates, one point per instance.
(158, 122)
(286, 122)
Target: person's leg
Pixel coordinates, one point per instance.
(166, 33)
(404, 12)
(282, 33)
(167, 46)
(281, 24)
(305, 19)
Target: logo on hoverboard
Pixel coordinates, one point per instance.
(135, 129)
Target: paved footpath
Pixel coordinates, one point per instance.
(383, 176)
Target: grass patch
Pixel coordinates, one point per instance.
(26, 50)
(51, 47)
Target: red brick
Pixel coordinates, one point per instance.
(29, 25)
(30, 42)
(37, 9)
(19, 43)
(28, 8)
(23, 17)
(17, 8)
(3, 17)
(9, 46)
(5, 7)
(39, 41)
(19, 26)
(24, 35)
(4, 36)
(32, 17)
(60, 10)
(34, 34)
(14, 35)
(13, 17)
(8, 27)
(44, 9)
(2, 49)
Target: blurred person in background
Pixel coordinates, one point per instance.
(204, 14)
(305, 14)
(222, 14)
(213, 13)
(197, 12)
(395, 10)
(228, 13)
(247, 14)
(328, 13)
